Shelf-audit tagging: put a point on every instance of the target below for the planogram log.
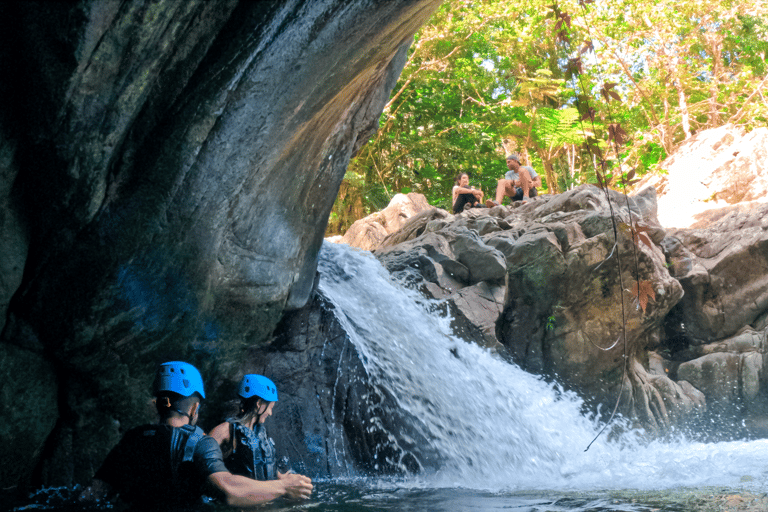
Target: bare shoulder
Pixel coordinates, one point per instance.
(220, 433)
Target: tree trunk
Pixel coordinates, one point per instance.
(714, 42)
(571, 153)
(683, 106)
(552, 185)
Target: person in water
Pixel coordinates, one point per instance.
(464, 195)
(173, 463)
(247, 449)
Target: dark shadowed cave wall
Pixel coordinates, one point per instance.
(166, 173)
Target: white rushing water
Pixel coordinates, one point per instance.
(497, 427)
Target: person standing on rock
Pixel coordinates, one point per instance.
(172, 463)
(247, 449)
(519, 183)
(464, 195)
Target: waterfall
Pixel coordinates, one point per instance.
(495, 426)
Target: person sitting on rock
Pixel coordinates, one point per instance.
(171, 464)
(464, 195)
(247, 449)
(519, 183)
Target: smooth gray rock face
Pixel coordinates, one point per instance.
(14, 237)
(724, 271)
(167, 172)
(713, 173)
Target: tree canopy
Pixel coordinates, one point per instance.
(579, 88)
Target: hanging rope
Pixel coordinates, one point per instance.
(615, 137)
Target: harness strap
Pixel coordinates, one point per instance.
(183, 442)
(194, 437)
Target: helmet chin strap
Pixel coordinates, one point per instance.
(167, 403)
(184, 414)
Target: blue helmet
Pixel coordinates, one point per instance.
(258, 385)
(179, 377)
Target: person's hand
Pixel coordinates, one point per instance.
(296, 486)
(95, 492)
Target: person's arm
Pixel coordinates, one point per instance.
(221, 433)
(461, 190)
(514, 177)
(240, 491)
(535, 178)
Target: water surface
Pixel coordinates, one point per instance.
(506, 439)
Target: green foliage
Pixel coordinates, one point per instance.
(575, 87)
(556, 127)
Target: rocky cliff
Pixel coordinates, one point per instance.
(590, 290)
(167, 169)
(587, 289)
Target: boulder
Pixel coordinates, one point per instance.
(657, 402)
(549, 282)
(579, 299)
(368, 232)
(455, 264)
(716, 375)
(713, 173)
(724, 272)
(429, 219)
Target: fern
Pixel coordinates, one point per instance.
(557, 127)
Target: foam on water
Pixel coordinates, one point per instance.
(496, 426)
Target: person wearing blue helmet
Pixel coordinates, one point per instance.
(243, 439)
(172, 463)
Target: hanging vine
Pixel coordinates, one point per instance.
(642, 290)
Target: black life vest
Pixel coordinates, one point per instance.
(183, 442)
(253, 454)
(152, 467)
